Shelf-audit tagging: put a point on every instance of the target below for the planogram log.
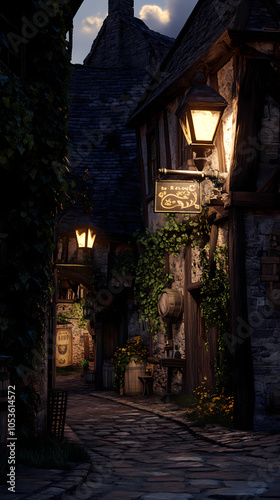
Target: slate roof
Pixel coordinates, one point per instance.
(103, 93)
(101, 102)
(155, 40)
(209, 20)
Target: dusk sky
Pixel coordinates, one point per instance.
(165, 16)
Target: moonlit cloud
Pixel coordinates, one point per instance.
(154, 13)
(169, 19)
(91, 25)
(179, 13)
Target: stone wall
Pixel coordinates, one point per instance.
(263, 319)
(78, 337)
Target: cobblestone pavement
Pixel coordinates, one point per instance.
(147, 455)
(143, 448)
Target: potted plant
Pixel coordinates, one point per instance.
(132, 353)
(85, 366)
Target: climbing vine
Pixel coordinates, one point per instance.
(151, 277)
(215, 307)
(16, 136)
(75, 311)
(33, 140)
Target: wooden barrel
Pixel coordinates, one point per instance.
(64, 345)
(90, 377)
(170, 304)
(108, 375)
(132, 384)
(4, 384)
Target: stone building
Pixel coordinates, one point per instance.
(26, 335)
(236, 46)
(103, 164)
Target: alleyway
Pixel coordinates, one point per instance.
(136, 454)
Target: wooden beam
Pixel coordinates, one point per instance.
(213, 244)
(253, 200)
(244, 170)
(220, 133)
(239, 339)
(142, 176)
(190, 326)
(271, 184)
(166, 140)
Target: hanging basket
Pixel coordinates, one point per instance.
(170, 304)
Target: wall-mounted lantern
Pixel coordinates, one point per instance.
(85, 237)
(200, 113)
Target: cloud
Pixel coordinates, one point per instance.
(169, 20)
(179, 13)
(91, 25)
(154, 14)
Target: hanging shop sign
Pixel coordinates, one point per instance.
(64, 345)
(177, 196)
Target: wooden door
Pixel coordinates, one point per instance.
(110, 338)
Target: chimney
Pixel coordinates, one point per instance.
(122, 7)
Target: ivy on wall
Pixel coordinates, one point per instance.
(151, 277)
(33, 140)
(75, 312)
(215, 307)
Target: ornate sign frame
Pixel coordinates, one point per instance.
(178, 196)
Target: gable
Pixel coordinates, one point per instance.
(126, 42)
(209, 24)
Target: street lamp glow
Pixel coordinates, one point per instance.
(85, 238)
(205, 124)
(200, 113)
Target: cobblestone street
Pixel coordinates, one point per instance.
(136, 454)
(144, 448)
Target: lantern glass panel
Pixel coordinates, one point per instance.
(205, 124)
(91, 238)
(186, 128)
(81, 238)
